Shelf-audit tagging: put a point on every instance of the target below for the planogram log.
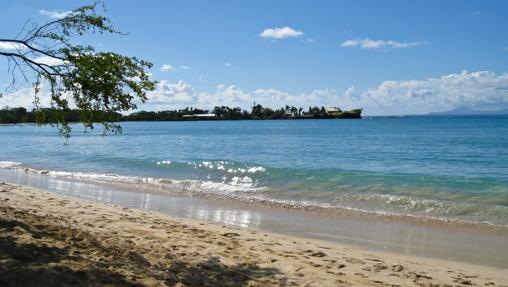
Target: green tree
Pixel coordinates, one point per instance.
(98, 84)
(257, 111)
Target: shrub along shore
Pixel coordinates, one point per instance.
(258, 112)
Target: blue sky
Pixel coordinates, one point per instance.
(389, 57)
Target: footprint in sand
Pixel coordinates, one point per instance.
(381, 283)
(230, 234)
(354, 260)
(378, 267)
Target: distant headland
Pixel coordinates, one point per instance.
(258, 112)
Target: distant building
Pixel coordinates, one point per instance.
(199, 116)
(331, 110)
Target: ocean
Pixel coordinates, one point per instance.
(444, 168)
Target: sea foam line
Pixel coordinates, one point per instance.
(238, 185)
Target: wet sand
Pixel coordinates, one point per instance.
(47, 239)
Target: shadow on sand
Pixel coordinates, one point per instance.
(33, 255)
(214, 273)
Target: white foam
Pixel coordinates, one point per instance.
(256, 169)
(235, 185)
(227, 167)
(244, 181)
(9, 164)
(99, 177)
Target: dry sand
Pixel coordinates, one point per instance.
(50, 240)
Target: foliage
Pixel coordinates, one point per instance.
(258, 112)
(97, 84)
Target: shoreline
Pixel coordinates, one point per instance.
(124, 246)
(466, 245)
(328, 212)
(167, 187)
(430, 241)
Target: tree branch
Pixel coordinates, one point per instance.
(36, 33)
(95, 82)
(41, 66)
(32, 48)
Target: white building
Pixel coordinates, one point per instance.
(332, 110)
(199, 116)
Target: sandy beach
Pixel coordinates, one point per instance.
(48, 239)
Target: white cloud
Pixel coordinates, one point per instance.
(228, 64)
(47, 60)
(167, 94)
(280, 33)
(167, 68)
(379, 44)
(231, 95)
(187, 68)
(276, 98)
(349, 92)
(24, 97)
(11, 46)
(478, 90)
(54, 14)
(225, 96)
(19, 98)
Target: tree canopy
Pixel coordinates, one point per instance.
(258, 112)
(99, 84)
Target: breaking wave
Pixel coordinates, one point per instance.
(9, 164)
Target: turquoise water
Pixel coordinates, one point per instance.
(445, 167)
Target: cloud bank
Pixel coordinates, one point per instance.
(482, 90)
(478, 90)
(24, 97)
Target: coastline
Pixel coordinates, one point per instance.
(91, 242)
(170, 187)
(440, 241)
